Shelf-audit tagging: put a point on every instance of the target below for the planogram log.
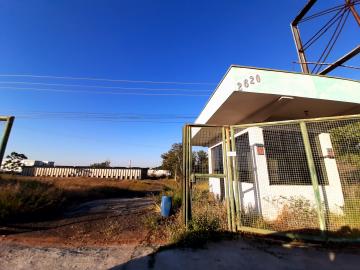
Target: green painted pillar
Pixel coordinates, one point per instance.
(313, 175)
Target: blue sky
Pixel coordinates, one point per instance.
(176, 41)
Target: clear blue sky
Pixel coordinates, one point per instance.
(183, 41)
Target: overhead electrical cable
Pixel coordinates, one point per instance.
(69, 113)
(99, 92)
(327, 11)
(104, 86)
(332, 40)
(323, 29)
(103, 79)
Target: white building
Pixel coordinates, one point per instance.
(268, 175)
(38, 163)
(158, 173)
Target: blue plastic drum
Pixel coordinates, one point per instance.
(166, 206)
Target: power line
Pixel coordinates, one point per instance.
(107, 87)
(90, 116)
(102, 79)
(99, 92)
(327, 11)
(325, 64)
(324, 29)
(105, 114)
(72, 136)
(109, 117)
(130, 121)
(332, 40)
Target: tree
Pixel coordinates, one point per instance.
(172, 160)
(13, 162)
(105, 164)
(201, 162)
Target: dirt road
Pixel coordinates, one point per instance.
(16, 257)
(94, 235)
(110, 234)
(239, 254)
(248, 254)
(106, 222)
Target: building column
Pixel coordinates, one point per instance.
(334, 195)
(260, 168)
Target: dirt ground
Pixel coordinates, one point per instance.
(111, 233)
(237, 254)
(108, 222)
(94, 235)
(102, 213)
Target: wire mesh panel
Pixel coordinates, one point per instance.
(206, 145)
(275, 187)
(207, 157)
(292, 176)
(207, 169)
(337, 146)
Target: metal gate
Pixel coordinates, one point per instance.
(298, 177)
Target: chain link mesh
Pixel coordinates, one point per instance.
(277, 185)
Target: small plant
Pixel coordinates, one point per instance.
(152, 221)
(296, 213)
(208, 222)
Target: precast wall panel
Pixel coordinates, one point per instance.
(108, 173)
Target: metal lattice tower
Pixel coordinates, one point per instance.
(338, 20)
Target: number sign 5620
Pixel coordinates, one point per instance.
(249, 81)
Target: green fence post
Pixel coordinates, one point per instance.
(236, 180)
(5, 137)
(188, 178)
(313, 175)
(184, 168)
(226, 178)
(230, 180)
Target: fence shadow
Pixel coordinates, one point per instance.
(232, 251)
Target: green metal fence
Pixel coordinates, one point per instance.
(300, 178)
(8, 120)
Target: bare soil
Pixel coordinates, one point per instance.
(117, 220)
(108, 222)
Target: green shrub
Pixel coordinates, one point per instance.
(208, 221)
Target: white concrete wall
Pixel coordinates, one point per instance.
(132, 173)
(214, 183)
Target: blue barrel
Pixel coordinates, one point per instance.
(165, 206)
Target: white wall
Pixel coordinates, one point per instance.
(132, 173)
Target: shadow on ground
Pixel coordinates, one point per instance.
(247, 253)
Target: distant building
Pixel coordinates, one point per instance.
(37, 163)
(152, 173)
(120, 173)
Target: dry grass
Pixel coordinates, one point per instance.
(30, 198)
(208, 221)
(81, 183)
